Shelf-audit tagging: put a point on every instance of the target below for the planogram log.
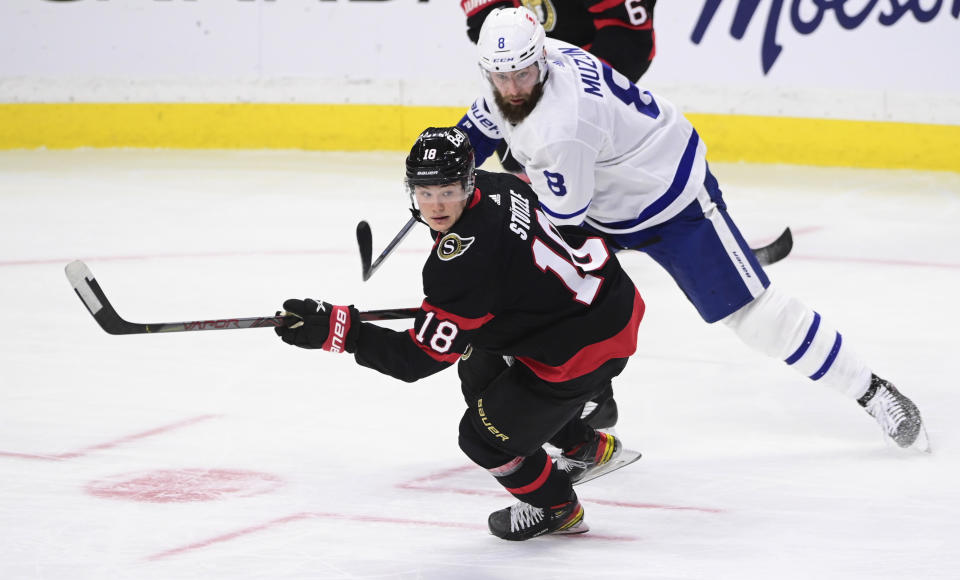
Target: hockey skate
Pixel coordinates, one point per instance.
(523, 521)
(600, 413)
(595, 458)
(897, 415)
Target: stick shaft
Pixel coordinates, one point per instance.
(93, 297)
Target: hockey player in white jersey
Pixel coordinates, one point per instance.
(625, 163)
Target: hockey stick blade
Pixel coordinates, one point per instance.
(94, 299)
(92, 296)
(775, 250)
(365, 242)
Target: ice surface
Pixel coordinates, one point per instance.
(232, 455)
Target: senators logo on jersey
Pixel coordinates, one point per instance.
(545, 12)
(451, 245)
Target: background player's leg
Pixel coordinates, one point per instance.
(706, 255)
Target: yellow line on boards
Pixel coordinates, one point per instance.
(217, 126)
(829, 142)
(347, 127)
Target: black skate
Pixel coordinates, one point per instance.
(523, 521)
(594, 458)
(600, 414)
(897, 415)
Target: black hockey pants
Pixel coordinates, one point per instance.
(511, 413)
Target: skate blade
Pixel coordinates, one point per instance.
(578, 528)
(922, 444)
(625, 458)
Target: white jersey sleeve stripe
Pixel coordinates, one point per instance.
(563, 216)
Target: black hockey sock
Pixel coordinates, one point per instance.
(574, 433)
(871, 391)
(535, 480)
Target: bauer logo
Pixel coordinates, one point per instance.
(340, 326)
(452, 245)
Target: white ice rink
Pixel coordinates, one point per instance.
(231, 455)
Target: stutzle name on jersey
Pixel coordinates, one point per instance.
(519, 214)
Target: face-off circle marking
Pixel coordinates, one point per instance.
(185, 485)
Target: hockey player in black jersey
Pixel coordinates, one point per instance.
(540, 321)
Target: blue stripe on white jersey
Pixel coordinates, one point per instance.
(677, 187)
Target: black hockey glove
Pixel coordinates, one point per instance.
(313, 324)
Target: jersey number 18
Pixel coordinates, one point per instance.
(571, 269)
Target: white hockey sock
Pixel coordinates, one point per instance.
(783, 327)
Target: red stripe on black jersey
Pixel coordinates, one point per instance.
(605, 22)
(590, 357)
(605, 5)
(471, 7)
(460, 321)
(475, 199)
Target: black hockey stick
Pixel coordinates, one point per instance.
(89, 291)
(365, 241)
(775, 250)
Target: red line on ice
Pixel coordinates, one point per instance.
(439, 475)
(415, 484)
(228, 536)
(324, 252)
(347, 517)
(878, 261)
(109, 444)
(341, 251)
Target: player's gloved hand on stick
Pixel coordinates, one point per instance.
(313, 324)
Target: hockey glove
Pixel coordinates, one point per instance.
(313, 324)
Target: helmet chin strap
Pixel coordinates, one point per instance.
(416, 214)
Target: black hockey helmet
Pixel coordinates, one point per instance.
(441, 155)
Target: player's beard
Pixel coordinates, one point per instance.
(516, 113)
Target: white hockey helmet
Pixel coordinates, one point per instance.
(512, 39)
